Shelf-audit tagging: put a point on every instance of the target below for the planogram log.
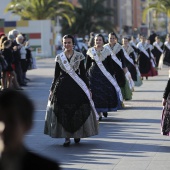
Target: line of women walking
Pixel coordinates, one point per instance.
(82, 90)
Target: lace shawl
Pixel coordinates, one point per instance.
(74, 61)
(159, 44)
(129, 49)
(145, 45)
(102, 54)
(116, 48)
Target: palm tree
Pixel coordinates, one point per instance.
(89, 16)
(159, 6)
(41, 9)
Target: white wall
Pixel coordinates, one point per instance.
(7, 16)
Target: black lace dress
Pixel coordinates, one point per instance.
(104, 94)
(73, 114)
(131, 67)
(166, 59)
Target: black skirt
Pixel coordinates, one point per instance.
(71, 105)
(103, 92)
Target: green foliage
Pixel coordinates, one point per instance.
(89, 16)
(41, 9)
(160, 6)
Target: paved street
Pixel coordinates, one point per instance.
(129, 139)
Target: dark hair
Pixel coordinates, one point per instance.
(112, 33)
(69, 36)
(100, 35)
(16, 106)
(157, 37)
(2, 39)
(6, 43)
(127, 38)
(142, 35)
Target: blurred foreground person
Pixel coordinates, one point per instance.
(16, 113)
(165, 123)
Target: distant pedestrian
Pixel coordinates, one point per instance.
(144, 55)
(166, 51)
(91, 40)
(158, 49)
(152, 37)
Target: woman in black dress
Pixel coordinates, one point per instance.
(131, 63)
(106, 96)
(165, 123)
(144, 58)
(72, 115)
(166, 51)
(158, 49)
(117, 50)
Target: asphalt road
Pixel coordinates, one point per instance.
(129, 139)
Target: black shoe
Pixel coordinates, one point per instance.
(100, 118)
(105, 114)
(66, 143)
(77, 140)
(19, 88)
(23, 84)
(27, 79)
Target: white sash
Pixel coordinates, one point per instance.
(127, 57)
(78, 80)
(130, 81)
(158, 47)
(152, 60)
(106, 73)
(133, 44)
(167, 44)
(114, 56)
(141, 48)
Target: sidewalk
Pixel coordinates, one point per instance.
(129, 139)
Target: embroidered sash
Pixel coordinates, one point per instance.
(158, 47)
(114, 56)
(168, 45)
(127, 57)
(78, 80)
(141, 48)
(106, 73)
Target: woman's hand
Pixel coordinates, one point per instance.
(125, 70)
(15, 48)
(163, 102)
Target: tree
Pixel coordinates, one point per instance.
(159, 6)
(89, 16)
(41, 9)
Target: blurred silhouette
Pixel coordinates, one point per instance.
(16, 118)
